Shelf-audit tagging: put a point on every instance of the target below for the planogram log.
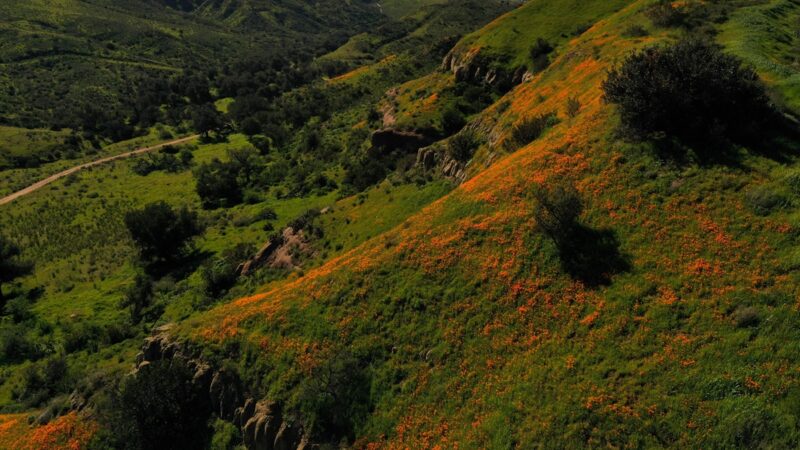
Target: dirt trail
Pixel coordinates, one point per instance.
(40, 184)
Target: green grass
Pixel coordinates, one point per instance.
(39, 142)
(508, 40)
(470, 331)
(17, 142)
(73, 231)
(764, 36)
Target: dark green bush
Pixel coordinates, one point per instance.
(528, 130)
(217, 184)
(139, 297)
(691, 91)
(665, 13)
(587, 254)
(635, 31)
(158, 408)
(540, 55)
(557, 210)
(746, 316)
(335, 397)
(162, 233)
(453, 121)
(573, 107)
(16, 345)
(43, 380)
(11, 265)
(463, 145)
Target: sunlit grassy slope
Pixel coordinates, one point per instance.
(474, 335)
(508, 40)
(765, 36)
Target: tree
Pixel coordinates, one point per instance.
(250, 126)
(138, 297)
(159, 407)
(691, 91)
(162, 233)
(452, 121)
(217, 184)
(557, 210)
(11, 266)
(205, 119)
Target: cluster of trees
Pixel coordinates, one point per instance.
(163, 236)
(169, 159)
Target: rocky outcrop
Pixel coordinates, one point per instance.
(471, 66)
(262, 423)
(279, 252)
(435, 157)
(389, 139)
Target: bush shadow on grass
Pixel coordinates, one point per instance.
(591, 256)
(779, 143)
(180, 268)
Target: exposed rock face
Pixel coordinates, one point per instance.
(278, 252)
(430, 158)
(471, 66)
(390, 139)
(263, 424)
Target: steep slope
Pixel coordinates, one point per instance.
(462, 327)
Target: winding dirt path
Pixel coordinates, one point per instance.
(40, 184)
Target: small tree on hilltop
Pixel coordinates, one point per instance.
(11, 266)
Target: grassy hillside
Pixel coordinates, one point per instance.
(761, 34)
(429, 315)
(508, 40)
(469, 330)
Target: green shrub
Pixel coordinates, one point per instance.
(162, 233)
(453, 121)
(16, 345)
(463, 145)
(217, 184)
(11, 265)
(635, 31)
(573, 107)
(42, 381)
(220, 274)
(689, 90)
(540, 55)
(746, 317)
(665, 13)
(335, 398)
(160, 407)
(557, 210)
(528, 130)
(763, 200)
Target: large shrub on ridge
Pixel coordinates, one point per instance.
(690, 90)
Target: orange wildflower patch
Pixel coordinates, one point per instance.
(69, 432)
